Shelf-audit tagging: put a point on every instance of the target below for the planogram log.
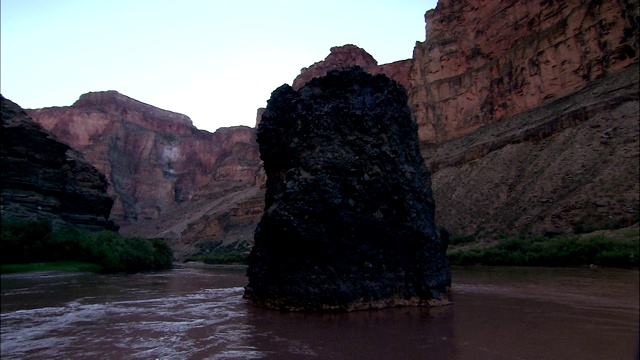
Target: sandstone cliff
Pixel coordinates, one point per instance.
(483, 61)
(44, 179)
(350, 55)
(154, 159)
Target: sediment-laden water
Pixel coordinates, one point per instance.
(199, 313)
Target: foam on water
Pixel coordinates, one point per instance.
(167, 327)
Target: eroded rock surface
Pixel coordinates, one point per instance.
(44, 179)
(484, 61)
(349, 216)
(154, 159)
(570, 166)
(350, 55)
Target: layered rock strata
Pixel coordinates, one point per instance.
(348, 222)
(569, 166)
(154, 159)
(483, 61)
(44, 179)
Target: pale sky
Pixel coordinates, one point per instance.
(212, 60)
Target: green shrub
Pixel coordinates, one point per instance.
(23, 239)
(554, 251)
(215, 253)
(461, 239)
(32, 242)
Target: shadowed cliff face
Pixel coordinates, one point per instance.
(349, 218)
(44, 179)
(154, 159)
(483, 61)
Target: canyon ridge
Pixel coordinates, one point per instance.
(527, 115)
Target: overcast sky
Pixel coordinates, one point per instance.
(212, 60)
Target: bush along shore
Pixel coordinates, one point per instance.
(215, 253)
(618, 248)
(37, 246)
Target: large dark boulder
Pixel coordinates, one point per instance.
(349, 216)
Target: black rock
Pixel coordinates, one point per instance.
(42, 178)
(349, 216)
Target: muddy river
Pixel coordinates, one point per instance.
(197, 312)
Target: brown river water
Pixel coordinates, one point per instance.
(197, 312)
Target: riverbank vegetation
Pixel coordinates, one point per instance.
(618, 248)
(216, 253)
(36, 245)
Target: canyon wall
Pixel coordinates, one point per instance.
(569, 166)
(154, 159)
(44, 179)
(350, 55)
(527, 114)
(483, 61)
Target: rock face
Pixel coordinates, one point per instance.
(154, 159)
(351, 55)
(349, 217)
(219, 216)
(520, 121)
(44, 179)
(483, 61)
(569, 166)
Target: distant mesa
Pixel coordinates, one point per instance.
(348, 222)
(115, 102)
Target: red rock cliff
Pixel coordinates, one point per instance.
(485, 60)
(153, 158)
(349, 55)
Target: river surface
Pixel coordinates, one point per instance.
(198, 313)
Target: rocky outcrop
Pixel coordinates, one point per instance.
(44, 179)
(348, 222)
(154, 159)
(397, 70)
(338, 58)
(351, 55)
(484, 61)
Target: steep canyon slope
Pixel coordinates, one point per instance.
(528, 114)
(44, 179)
(571, 165)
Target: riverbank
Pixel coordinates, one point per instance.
(63, 266)
(39, 245)
(618, 248)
